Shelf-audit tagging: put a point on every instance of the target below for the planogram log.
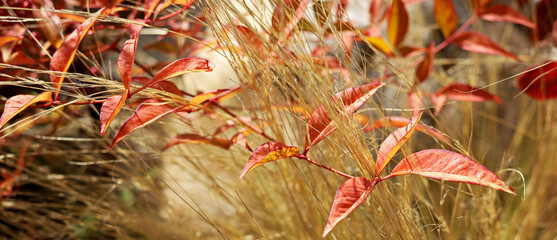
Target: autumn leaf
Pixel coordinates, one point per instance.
(250, 39)
(390, 146)
(287, 14)
(7, 39)
(503, 13)
(540, 81)
(374, 10)
(395, 121)
(192, 138)
(449, 166)
(268, 152)
(180, 67)
(461, 92)
(145, 114)
(380, 44)
(476, 42)
(240, 139)
(320, 124)
(186, 3)
(110, 108)
(126, 59)
(64, 55)
(446, 16)
(349, 196)
(166, 86)
(18, 103)
(397, 25)
(425, 66)
(149, 6)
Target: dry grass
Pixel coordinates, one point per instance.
(74, 187)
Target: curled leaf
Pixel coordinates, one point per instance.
(320, 124)
(397, 25)
(18, 103)
(180, 67)
(461, 92)
(110, 108)
(349, 196)
(449, 166)
(540, 81)
(126, 59)
(145, 114)
(446, 16)
(476, 42)
(64, 55)
(390, 146)
(504, 13)
(269, 152)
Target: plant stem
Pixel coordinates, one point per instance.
(302, 156)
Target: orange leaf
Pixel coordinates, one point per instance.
(126, 59)
(476, 42)
(425, 66)
(349, 196)
(320, 124)
(287, 14)
(18, 103)
(186, 3)
(268, 152)
(461, 92)
(503, 13)
(449, 166)
(397, 25)
(7, 39)
(180, 67)
(446, 17)
(166, 86)
(390, 146)
(64, 55)
(149, 6)
(145, 114)
(110, 108)
(540, 82)
(196, 139)
(395, 121)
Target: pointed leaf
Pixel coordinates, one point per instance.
(425, 66)
(375, 8)
(540, 81)
(64, 55)
(268, 152)
(476, 42)
(287, 14)
(349, 196)
(145, 114)
(446, 17)
(390, 146)
(186, 3)
(503, 13)
(126, 59)
(240, 139)
(149, 7)
(398, 22)
(166, 86)
(196, 139)
(110, 108)
(180, 67)
(7, 39)
(380, 44)
(320, 124)
(449, 166)
(395, 121)
(18, 103)
(461, 92)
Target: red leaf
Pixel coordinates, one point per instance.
(149, 6)
(390, 146)
(268, 152)
(180, 67)
(461, 92)
(503, 13)
(186, 3)
(287, 14)
(349, 196)
(446, 16)
(449, 166)
(110, 108)
(375, 11)
(545, 16)
(18, 103)
(64, 55)
(196, 139)
(476, 42)
(126, 59)
(145, 114)
(7, 39)
(395, 121)
(240, 139)
(250, 39)
(320, 125)
(166, 86)
(425, 66)
(397, 25)
(540, 81)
